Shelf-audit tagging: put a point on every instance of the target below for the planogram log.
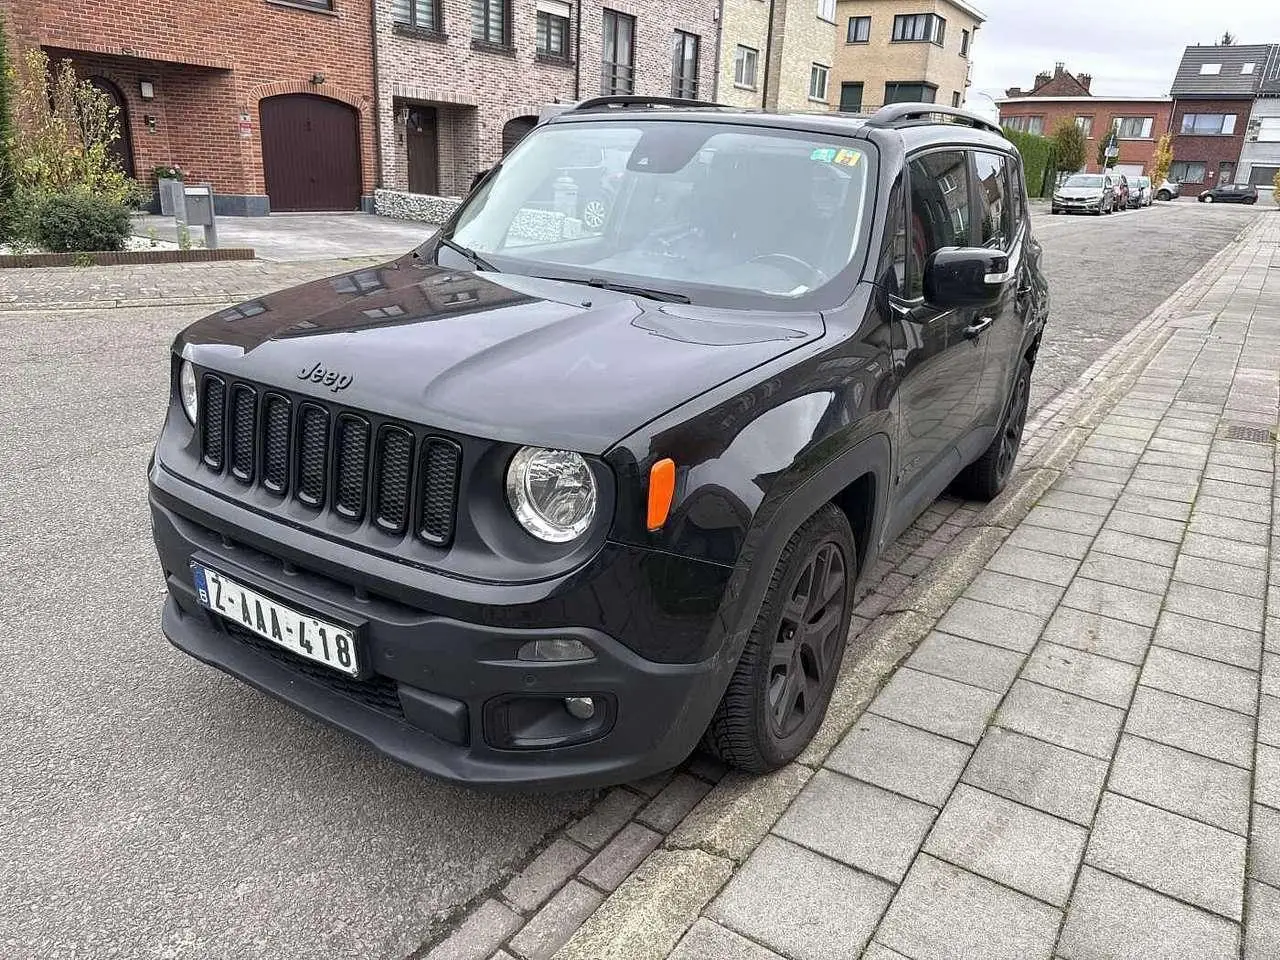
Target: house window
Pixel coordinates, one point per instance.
(1246, 68)
(1187, 171)
(617, 73)
(1210, 69)
(1209, 124)
(489, 22)
(955, 99)
(418, 14)
(553, 29)
(851, 97)
(684, 66)
(964, 43)
(1086, 125)
(745, 60)
(1134, 128)
(1024, 124)
(1226, 171)
(859, 30)
(818, 82)
(1269, 130)
(827, 10)
(910, 93)
(919, 26)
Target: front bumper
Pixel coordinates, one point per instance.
(447, 694)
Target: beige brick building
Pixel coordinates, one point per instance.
(891, 51)
(461, 80)
(787, 67)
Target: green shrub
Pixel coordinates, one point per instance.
(1037, 160)
(79, 222)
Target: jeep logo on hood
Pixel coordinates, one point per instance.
(332, 379)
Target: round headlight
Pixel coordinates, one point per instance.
(552, 493)
(187, 387)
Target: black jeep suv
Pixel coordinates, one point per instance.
(549, 501)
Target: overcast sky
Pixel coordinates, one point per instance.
(1131, 48)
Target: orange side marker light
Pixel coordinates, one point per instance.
(662, 489)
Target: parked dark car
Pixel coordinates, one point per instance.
(540, 506)
(1084, 193)
(1230, 193)
(1140, 194)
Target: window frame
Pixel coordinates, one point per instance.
(1085, 124)
(1147, 125)
(1184, 164)
(611, 70)
(548, 53)
(851, 32)
(483, 40)
(814, 67)
(1268, 134)
(1210, 69)
(823, 8)
(862, 93)
(1024, 122)
(679, 82)
(921, 84)
(909, 219)
(979, 202)
(436, 26)
(1247, 68)
(965, 39)
(742, 48)
(905, 24)
(1228, 119)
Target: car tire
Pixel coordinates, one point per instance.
(1164, 195)
(782, 685)
(1250, 202)
(986, 477)
(1206, 199)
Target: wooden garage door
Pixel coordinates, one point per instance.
(310, 153)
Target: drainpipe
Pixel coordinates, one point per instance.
(577, 55)
(768, 53)
(377, 100)
(715, 76)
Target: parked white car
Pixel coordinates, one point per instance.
(1168, 190)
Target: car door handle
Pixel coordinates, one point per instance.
(975, 329)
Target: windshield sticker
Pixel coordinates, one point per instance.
(846, 158)
(824, 154)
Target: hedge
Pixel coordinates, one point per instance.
(1037, 160)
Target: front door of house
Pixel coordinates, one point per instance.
(122, 147)
(423, 147)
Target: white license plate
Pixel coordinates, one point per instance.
(307, 636)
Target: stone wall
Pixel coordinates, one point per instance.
(401, 205)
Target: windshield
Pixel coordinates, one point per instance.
(671, 204)
(1084, 180)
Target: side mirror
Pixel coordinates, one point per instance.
(966, 276)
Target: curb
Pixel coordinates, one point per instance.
(22, 261)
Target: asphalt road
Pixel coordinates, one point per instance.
(152, 807)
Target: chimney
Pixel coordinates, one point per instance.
(1013, 92)
(1085, 80)
(1059, 68)
(1042, 79)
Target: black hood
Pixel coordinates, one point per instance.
(500, 356)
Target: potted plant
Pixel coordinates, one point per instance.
(168, 179)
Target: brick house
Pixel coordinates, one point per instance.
(777, 54)
(1213, 96)
(461, 81)
(271, 101)
(888, 51)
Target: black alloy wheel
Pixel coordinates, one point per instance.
(986, 477)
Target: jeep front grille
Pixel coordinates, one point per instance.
(357, 465)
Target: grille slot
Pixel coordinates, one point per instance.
(244, 410)
(276, 416)
(394, 466)
(313, 453)
(1249, 432)
(213, 401)
(440, 459)
(352, 467)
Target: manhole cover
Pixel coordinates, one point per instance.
(1248, 433)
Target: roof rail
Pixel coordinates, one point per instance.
(912, 114)
(621, 101)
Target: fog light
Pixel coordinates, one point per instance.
(557, 649)
(583, 708)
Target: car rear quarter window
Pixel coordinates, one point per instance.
(995, 219)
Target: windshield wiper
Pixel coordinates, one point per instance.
(651, 293)
(467, 252)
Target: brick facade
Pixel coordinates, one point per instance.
(476, 90)
(211, 67)
(1101, 114)
(1212, 151)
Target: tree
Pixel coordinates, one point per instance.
(1162, 160)
(1109, 140)
(1228, 39)
(1275, 183)
(6, 136)
(1070, 147)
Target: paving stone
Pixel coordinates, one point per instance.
(1122, 444)
(1084, 674)
(480, 934)
(1186, 783)
(877, 952)
(1098, 471)
(1217, 459)
(605, 819)
(1016, 593)
(1235, 509)
(987, 623)
(1228, 528)
(552, 926)
(802, 904)
(1214, 641)
(1225, 490)
(1271, 674)
(1199, 679)
(942, 913)
(906, 760)
(1117, 639)
(1054, 779)
(1113, 600)
(620, 856)
(1033, 565)
(1229, 608)
(1089, 487)
(1166, 473)
(943, 706)
(530, 888)
(1171, 854)
(1114, 458)
(1240, 475)
(1113, 919)
(734, 817)
(1264, 845)
(1137, 574)
(858, 824)
(1148, 506)
(1191, 725)
(971, 662)
(1266, 776)
(1012, 844)
(1228, 551)
(1269, 720)
(1221, 576)
(677, 798)
(1082, 503)
(1062, 718)
(1069, 521)
(1133, 547)
(710, 941)
(1262, 923)
(1271, 639)
(1142, 525)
